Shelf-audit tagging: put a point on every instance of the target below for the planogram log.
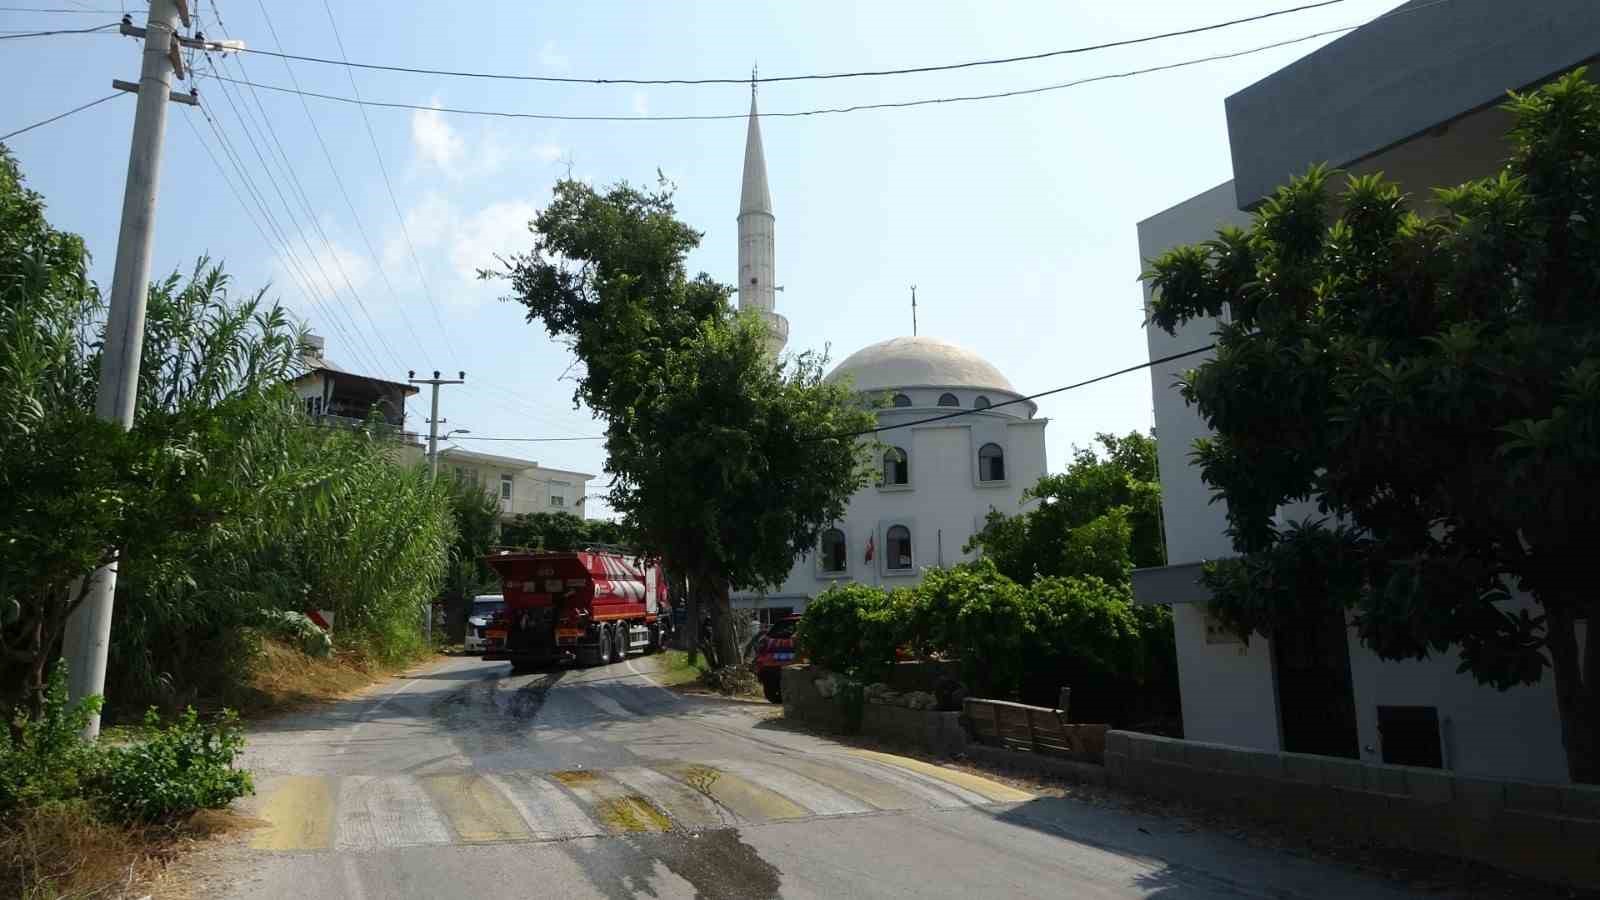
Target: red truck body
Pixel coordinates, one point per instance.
(585, 606)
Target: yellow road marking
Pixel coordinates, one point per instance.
(299, 813)
(994, 790)
(747, 800)
(616, 807)
(476, 810)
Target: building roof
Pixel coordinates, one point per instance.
(904, 362)
(319, 363)
(508, 462)
(753, 193)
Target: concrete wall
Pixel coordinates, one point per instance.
(930, 730)
(1546, 831)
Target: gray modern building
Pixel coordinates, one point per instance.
(1414, 94)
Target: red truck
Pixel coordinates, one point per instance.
(590, 607)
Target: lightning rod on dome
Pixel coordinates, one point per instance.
(913, 310)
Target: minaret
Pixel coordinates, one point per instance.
(756, 287)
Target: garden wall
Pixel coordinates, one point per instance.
(931, 730)
(1548, 831)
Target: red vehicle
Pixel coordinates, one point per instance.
(776, 650)
(585, 606)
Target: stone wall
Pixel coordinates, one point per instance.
(930, 730)
(1548, 831)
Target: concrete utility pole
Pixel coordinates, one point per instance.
(433, 420)
(88, 632)
(433, 456)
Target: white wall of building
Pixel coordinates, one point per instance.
(943, 505)
(1226, 685)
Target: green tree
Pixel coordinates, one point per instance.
(1100, 517)
(1432, 383)
(727, 463)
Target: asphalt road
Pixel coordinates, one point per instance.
(463, 781)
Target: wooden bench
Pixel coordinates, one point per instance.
(1035, 729)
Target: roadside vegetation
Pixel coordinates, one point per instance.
(1047, 605)
(228, 514)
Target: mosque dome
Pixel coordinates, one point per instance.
(905, 362)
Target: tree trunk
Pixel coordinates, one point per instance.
(691, 620)
(1575, 676)
(727, 640)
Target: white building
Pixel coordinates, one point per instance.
(1415, 96)
(937, 480)
(520, 486)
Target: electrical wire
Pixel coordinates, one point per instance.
(28, 34)
(73, 11)
(915, 422)
(422, 277)
(825, 76)
(58, 118)
(823, 111)
(382, 270)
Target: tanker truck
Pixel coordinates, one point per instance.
(588, 607)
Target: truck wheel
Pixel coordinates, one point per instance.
(772, 685)
(622, 642)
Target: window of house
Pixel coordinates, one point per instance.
(833, 550)
(505, 487)
(902, 400)
(981, 403)
(896, 467)
(557, 500)
(461, 474)
(991, 463)
(948, 399)
(898, 541)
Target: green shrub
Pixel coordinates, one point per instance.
(44, 759)
(168, 772)
(185, 766)
(850, 628)
(974, 613)
(299, 630)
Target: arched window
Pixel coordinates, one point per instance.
(833, 553)
(902, 400)
(981, 403)
(896, 468)
(991, 463)
(898, 541)
(948, 400)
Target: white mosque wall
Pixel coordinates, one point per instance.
(943, 504)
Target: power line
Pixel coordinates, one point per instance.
(73, 11)
(383, 271)
(823, 111)
(825, 76)
(967, 412)
(389, 186)
(28, 34)
(882, 428)
(330, 304)
(69, 112)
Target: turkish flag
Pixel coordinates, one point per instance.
(870, 547)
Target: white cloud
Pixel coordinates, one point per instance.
(499, 228)
(436, 142)
(550, 58)
(641, 103)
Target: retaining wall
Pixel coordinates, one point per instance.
(1549, 831)
(936, 732)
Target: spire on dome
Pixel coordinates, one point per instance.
(754, 196)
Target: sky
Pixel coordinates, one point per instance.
(1014, 217)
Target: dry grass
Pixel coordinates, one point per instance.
(63, 851)
(282, 678)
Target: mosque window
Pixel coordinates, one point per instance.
(981, 403)
(833, 550)
(991, 463)
(898, 544)
(896, 467)
(948, 400)
(901, 400)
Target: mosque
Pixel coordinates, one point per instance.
(937, 480)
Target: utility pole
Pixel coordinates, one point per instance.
(433, 458)
(433, 420)
(88, 632)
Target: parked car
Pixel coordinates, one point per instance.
(775, 650)
(484, 607)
